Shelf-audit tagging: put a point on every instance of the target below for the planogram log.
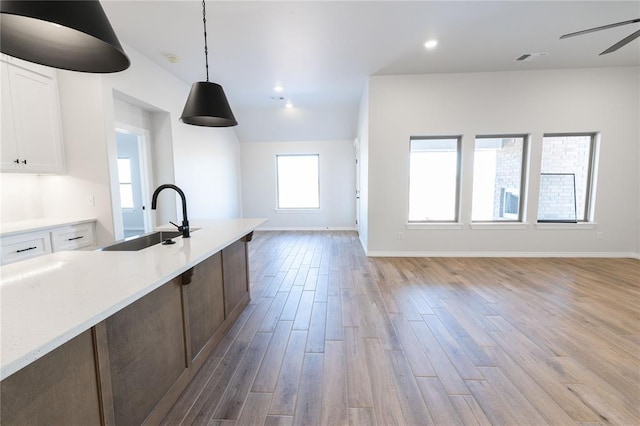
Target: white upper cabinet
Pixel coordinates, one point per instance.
(31, 130)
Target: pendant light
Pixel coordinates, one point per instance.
(207, 104)
(71, 35)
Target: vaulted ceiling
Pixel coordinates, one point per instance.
(322, 52)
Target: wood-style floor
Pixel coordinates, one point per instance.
(332, 337)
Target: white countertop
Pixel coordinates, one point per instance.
(48, 300)
(33, 225)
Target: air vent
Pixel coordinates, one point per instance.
(530, 57)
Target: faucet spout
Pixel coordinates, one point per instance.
(185, 222)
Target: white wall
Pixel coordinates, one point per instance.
(206, 160)
(162, 160)
(20, 197)
(127, 113)
(363, 145)
(536, 102)
(303, 123)
(637, 254)
(208, 170)
(337, 184)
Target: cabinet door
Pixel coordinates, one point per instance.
(205, 302)
(34, 98)
(236, 280)
(60, 388)
(9, 154)
(147, 352)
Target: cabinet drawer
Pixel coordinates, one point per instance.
(25, 246)
(73, 237)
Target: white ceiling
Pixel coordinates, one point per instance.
(323, 51)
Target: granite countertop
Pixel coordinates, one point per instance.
(48, 300)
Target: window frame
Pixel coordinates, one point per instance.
(278, 208)
(523, 175)
(588, 207)
(456, 218)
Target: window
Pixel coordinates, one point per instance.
(498, 178)
(126, 188)
(434, 183)
(566, 177)
(298, 186)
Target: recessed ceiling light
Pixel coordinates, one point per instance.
(173, 59)
(288, 104)
(278, 88)
(430, 44)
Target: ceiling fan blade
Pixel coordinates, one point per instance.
(604, 27)
(622, 42)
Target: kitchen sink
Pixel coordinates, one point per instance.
(143, 241)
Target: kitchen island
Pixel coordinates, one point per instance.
(114, 337)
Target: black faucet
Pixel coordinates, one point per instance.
(185, 223)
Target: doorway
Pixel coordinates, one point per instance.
(133, 179)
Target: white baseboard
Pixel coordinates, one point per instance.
(500, 254)
(379, 253)
(309, 228)
(363, 244)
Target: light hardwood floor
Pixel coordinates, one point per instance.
(332, 337)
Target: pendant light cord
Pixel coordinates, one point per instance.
(206, 50)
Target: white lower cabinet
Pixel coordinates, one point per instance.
(25, 246)
(73, 237)
(32, 244)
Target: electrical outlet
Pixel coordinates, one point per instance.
(599, 236)
(401, 235)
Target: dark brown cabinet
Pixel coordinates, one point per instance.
(60, 388)
(204, 299)
(130, 368)
(234, 268)
(147, 355)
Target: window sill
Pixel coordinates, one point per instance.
(572, 226)
(499, 225)
(296, 211)
(435, 225)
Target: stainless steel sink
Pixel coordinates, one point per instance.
(144, 241)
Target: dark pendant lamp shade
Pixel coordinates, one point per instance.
(207, 105)
(71, 35)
